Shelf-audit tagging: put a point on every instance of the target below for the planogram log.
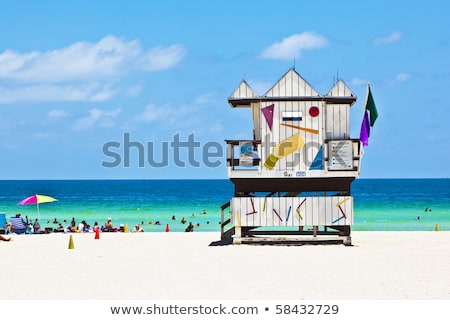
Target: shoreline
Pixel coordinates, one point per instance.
(178, 265)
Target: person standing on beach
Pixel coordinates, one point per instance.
(36, 226)
(108, 225)
(28, 222)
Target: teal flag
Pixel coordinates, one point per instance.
(370, 106)
(370, 116)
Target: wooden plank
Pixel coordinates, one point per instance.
(225, 205)
(272, 204)
(236, 142)
(232, 210)
(329, 240)
(321, 211)
(291, 232)
(283, 210)
(329, 100)
(292, 184)
(251, 212)
(292, 211)
(300, 205)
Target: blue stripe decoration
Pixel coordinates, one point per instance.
(340, 218)
(289, 213)
(318, 163)
(292, 118)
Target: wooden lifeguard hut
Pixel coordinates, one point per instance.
(292, 179)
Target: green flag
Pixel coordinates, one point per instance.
(370, 106)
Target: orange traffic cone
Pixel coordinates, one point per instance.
(167, 228)
(97, 233)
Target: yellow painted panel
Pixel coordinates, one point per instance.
(288, 146)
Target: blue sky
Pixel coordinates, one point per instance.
(77, 75)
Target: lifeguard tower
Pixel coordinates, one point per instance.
(292, 179)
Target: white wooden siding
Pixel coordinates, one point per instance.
(304, 211)
(303, 157)
(337, 121)
(292, 85)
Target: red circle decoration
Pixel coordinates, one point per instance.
(313, 111)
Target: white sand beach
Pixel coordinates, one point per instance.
(379, 265)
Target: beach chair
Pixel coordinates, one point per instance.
(19, 225)
(3, 223)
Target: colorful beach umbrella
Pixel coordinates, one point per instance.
(37, 199)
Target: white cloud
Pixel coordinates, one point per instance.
(207, 98)
(160, 58)
(133, 91)
(82, 71)
(398, 79)
(79, 61)
(53, 92)
(173, 117)
(292, 47)
(391, 38)
(56, 114)
(97, 116)
(403, 77)
(150, 113)
(89, 120)
(165, 113)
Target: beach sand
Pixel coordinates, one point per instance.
(379, 265)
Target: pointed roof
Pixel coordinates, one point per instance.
(341, 91)
(242, 92)
(292, 85)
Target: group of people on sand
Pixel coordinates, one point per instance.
(28, 227)
(83, 226)
(34, 227)
(109, 227)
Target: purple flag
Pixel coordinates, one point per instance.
(365, 130)
(268, 114)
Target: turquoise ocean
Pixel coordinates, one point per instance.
(380, 204)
